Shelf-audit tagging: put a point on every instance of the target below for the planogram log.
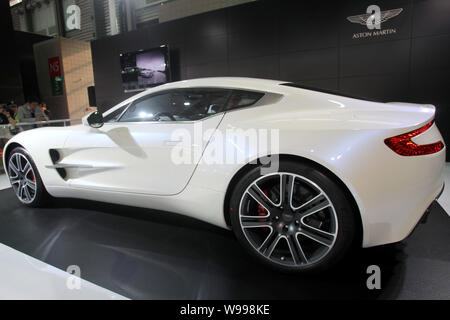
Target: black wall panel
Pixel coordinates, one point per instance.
(431, 17)
(310, 42)
(207, 70)
(375, 58)
(390, 87)
(253, 43)
(206, 49)
(10, 82)
(266, 67)
(212, 24)
(310, 64)
(430, 52)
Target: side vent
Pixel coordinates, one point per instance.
(55, 156)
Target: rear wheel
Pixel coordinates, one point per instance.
(297, 219)
(25, 179)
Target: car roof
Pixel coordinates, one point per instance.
(225, 82)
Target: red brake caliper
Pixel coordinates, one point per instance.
(261, 210)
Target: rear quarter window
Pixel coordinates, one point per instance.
(241, 99)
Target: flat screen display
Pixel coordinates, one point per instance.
(145, 68)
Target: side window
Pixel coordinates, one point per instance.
(241, 99)
(195, 104)
(178, 105)
(154, 108)
(114, 116)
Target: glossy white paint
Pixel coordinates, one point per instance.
(444, 199)
(345, 135)
(140, 151)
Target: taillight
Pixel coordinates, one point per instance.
(403, 145)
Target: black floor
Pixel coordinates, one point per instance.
(145, 254)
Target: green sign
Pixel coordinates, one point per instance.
(57, 86)
(56, 82)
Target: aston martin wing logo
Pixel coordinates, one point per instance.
(384, 16)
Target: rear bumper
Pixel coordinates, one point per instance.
(427, 212)
(440, 193)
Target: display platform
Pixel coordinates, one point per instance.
(147, 254)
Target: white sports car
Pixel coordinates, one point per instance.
(298, 175)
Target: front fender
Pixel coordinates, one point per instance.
(38, 142)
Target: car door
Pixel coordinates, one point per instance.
(152, 147)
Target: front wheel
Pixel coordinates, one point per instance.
(25, 179)
(297, 219)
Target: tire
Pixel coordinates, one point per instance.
(23, 178)
(307, 232)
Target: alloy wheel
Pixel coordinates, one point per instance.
(22, 177)
(288, 219)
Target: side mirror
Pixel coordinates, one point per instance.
(95, 119)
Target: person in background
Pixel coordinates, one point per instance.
(5, 119)
(30, 112)
(45, 110)
(13, 108)
(5, 116)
